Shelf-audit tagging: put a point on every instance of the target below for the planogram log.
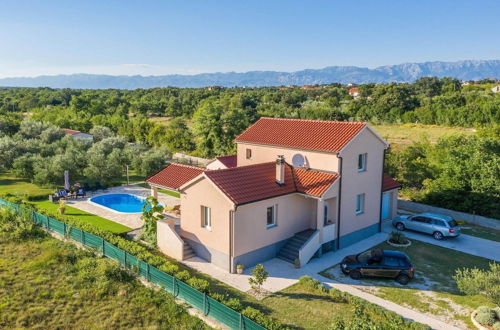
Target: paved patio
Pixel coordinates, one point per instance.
(132, 220)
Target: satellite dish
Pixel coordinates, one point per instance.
(298, 160)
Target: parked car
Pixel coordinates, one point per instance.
(437, 225)
(379, 263)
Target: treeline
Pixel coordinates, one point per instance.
(460, 172)
(204, 121)
(42, 152)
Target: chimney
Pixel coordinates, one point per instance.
(280, 170)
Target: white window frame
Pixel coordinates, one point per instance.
(206, 221)
(363, 158)
(274, 215)
(360, 204)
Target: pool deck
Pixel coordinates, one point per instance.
(132, 220)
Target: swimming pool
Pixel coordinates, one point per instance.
(124, 203)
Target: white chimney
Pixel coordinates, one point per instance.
(280, 170)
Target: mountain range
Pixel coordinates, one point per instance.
(407, 72)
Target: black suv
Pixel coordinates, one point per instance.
(379, 263)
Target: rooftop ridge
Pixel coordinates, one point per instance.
(316, 120)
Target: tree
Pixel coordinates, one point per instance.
(259, 276)
(151, 213)
(484, 282)
(101, 132)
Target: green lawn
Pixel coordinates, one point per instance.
(482, 232)
(48, 284)
(84, 216)
(163, 191)
(9, 184)
(433, 290)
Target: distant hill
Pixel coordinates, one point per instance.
(408, 72)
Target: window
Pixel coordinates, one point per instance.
(325, 215)
(391, 262)
(421, 219)
(271, 216)
(206, 217)
(249, 153)
(360, 203)
(362, 162)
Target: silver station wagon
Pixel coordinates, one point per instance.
(437, 225)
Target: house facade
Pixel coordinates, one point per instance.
(299, 188)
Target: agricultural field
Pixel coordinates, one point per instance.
(401, 135)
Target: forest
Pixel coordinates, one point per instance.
(460, 172)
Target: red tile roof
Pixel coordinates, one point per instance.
(389, 183)
(175, 175)
(353, 90)
(70, 131)
(228, 161)
(313, 182)
(330, 136)
(252, 183)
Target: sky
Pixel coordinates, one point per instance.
(151, 37)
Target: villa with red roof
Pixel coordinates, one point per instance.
(295, 190)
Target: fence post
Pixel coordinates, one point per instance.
(148, 275)
(103, 246)
(82, 236)
(242, 325)
(125, 258)
(48, 222)
(205, 303)
(64, 230)
(174, 283)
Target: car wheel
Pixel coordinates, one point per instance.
(355, 274)
(400, 226)
(438, 235)
(403, 279)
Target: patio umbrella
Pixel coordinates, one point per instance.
(66, 180)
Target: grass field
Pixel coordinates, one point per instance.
(9, 184)
(399, 135)
(433, 290)
(48, 284)
(84, 216)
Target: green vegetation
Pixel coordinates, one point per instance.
(23, 188)
(46, 283)
(473, 281)
(433, 290)
(152, 211)
(41, 153)
(458, 172)
(482, 232)
(84, 217)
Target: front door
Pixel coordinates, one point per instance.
(386, 206)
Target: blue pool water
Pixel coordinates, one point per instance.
(125, 203)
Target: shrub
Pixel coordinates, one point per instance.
(199, 284)
(486, 318)
(496, 326)
(478, 281)
(262, 319)
(397, 237)
(169, 268)
(312, 283)
(183, 275)
(259, 277)
(234, 303)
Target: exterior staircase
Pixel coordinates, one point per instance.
(187, 252)
(290, 251)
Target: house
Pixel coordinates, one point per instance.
(495, 89)
(354, 92)
(77, 134)
(300, 188)
(222, 162)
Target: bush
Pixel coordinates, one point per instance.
(262, 319)
(199, 284)
(312, 283)
(486, 318)
(397, 237)
(496, 326)
(234, 303)
(182, 275)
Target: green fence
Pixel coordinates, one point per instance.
(193, 297)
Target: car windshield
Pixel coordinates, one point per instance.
(452, 223)
(363, 257)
